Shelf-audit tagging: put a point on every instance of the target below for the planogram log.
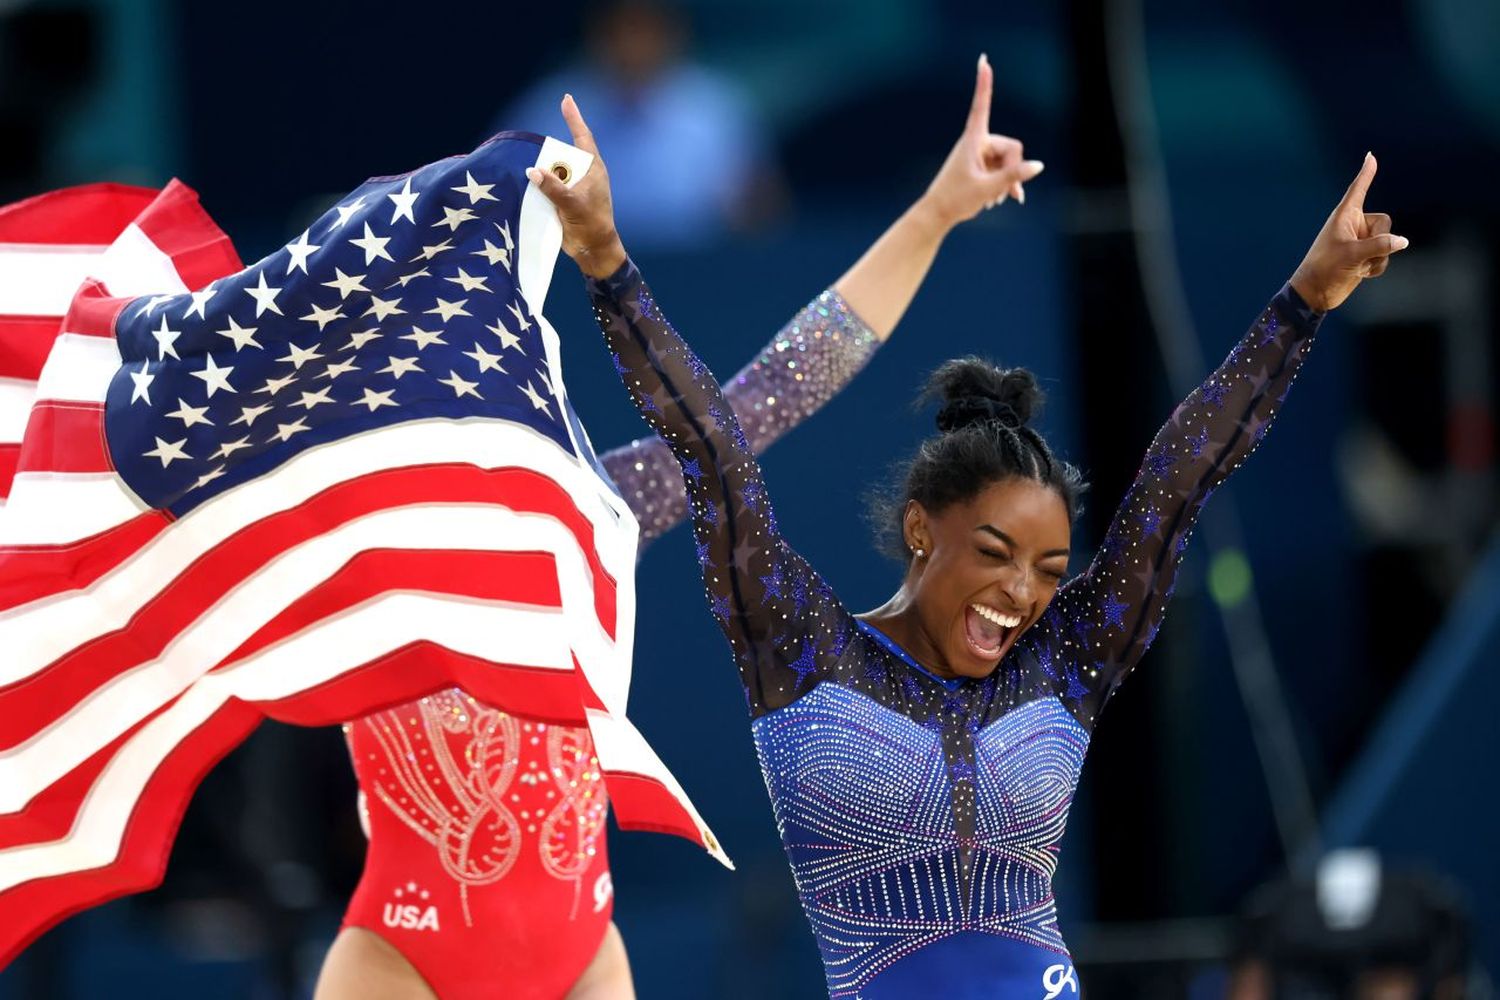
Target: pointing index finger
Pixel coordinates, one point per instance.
(1355, 197)
(984, 86)
(582, 137)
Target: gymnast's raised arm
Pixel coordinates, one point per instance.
(1112, 611)
(824, 345)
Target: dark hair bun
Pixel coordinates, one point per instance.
(973, 390)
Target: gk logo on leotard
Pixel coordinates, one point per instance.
(1056, 978)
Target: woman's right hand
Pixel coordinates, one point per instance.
(982, 169)
(585, 210)
(1352, 246)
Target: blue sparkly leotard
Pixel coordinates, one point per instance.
(922, 816)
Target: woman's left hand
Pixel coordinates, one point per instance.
(586, 209)
(982, 169)
(1352, 246)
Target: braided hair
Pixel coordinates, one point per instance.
(984, 437)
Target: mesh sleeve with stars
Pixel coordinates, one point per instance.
(784, 624)
(1102, 621)
(805, 365)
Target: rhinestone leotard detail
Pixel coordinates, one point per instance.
(922, 816)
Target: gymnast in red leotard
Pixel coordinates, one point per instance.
(487, 874)
(487, 858)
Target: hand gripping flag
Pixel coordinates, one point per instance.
(337, 480)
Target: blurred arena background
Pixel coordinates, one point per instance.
(1296, 794)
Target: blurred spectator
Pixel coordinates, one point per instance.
(684, 147)
(1353, 931)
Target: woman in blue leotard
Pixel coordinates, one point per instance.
(921, 757)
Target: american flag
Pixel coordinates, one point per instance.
(333, 481)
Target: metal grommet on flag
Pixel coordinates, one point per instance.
(563, 172)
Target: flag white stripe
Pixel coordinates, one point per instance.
(35, 634)
(113, 708)
(40, 278)
(16, 395)
(621, 747)
(133, 265)
(79, 368)
(53, 508)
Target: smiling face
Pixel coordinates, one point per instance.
(993, 563)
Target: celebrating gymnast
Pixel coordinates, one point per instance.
(921, 757)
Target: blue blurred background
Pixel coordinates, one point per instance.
(1325, 678)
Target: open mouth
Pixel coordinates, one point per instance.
(988, 630)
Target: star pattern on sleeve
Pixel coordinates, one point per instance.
(1214, 393)
(1159, 462)
(1114, 611)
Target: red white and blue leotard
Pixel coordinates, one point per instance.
(487, 866)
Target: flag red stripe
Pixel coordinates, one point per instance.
(65, 437)
(10, 456)
(88, 214)
(24, 344)
(27, 572)
(643, 803)
(423, 667)
(33, 703)
(93, 310)
(181, 229)
(514, 577)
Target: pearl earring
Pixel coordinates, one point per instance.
(921, 553)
